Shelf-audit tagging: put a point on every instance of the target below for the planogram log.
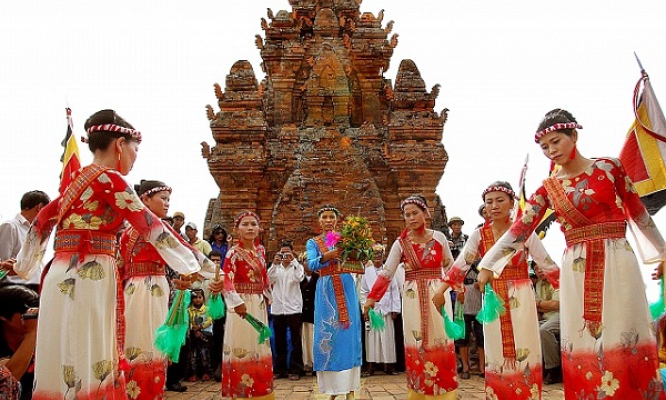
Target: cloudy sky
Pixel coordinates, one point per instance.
(501, 65)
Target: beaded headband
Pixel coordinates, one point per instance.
(415, 201)
(154, 190)
(136, 135)
(244, 214)
(324, 209)
(557, 127)
(508, 191)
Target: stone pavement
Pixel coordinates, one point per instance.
(377, 387)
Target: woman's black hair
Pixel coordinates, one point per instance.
(100, 140)
(146, 185)
(199, 291)
(501, 184)
(557, 116)
(417, 196)
(16, 299)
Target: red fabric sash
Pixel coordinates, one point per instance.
(338, 288)
(595, 256)
(502, 289)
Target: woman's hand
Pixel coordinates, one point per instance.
(332, 255)
(485, 276)
(438, 300)
(216, 286)
(241, 310)
(8, 265)
(658, 272)
(182, 284)
(369, 303)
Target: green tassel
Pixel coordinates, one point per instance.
(376, 320)
(493, 306)
(264, 331)
(170, 337)
(3, 273)
(459, 319)
(657, 308)
(452, 329)
(215, 306)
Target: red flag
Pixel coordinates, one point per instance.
(644, 150)
(71, 163)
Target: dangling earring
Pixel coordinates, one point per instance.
(120, 154)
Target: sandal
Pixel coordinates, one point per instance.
(367, 373)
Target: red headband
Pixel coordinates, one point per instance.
(556, 127)
(508, 191)
(243, 215)
(156, 190)
(136, 135)
(415, 201)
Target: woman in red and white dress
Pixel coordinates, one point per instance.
(78, 349)
(247, 366)
(512, 343)
(430, 358)
(146, 295)
(609, 348)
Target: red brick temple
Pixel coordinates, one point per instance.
(324, 126)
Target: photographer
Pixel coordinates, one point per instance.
(18, 324)
(285, 276)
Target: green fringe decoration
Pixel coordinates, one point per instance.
(376, 320)
(264, 330)
(452, 329)
(170, 337)
(657, 308)
(3, 273)
(215, 306)
(459, 318)
(493, 306)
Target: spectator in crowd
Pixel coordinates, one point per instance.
(18, 335)
(548, 307)
(191, 232)
(178, 222)
(218, 329)
(308, 289)
(470, 300)
(380, 344)
(14, 231)
(199, 338)
(483, 214)
(285, 276)
(458, 239)
(218, 240)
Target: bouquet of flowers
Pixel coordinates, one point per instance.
(355, 241)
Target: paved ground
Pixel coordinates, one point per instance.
(377, 387)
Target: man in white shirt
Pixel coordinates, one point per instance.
(285, 276)
(380, 346)
(14, 231)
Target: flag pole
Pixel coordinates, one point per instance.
(640, 65)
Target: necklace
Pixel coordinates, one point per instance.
(499, 234)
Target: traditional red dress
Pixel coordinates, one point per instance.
(247, 366)
(146, 294)
(608, 342)
(430, 357)
(512, 342)
(77, 353)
